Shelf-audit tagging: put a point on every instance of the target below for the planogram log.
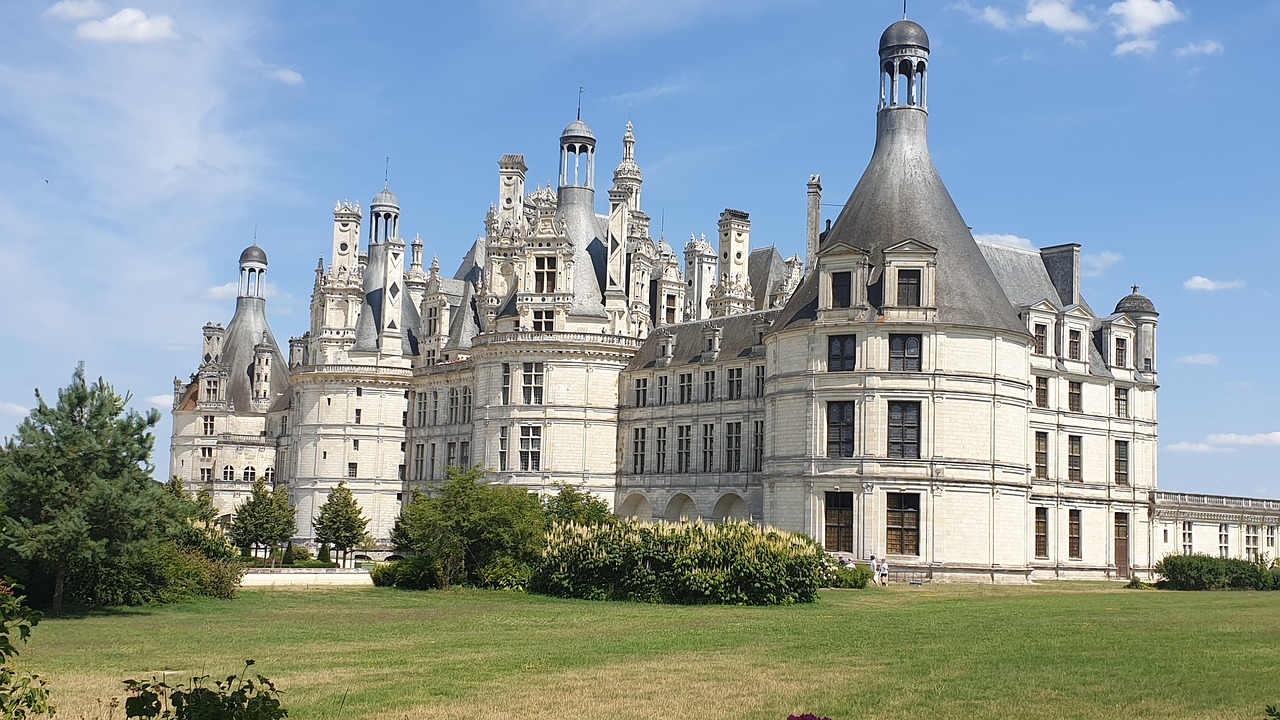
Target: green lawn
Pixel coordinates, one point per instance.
(1063, 650)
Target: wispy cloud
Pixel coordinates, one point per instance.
(160, 401)
(1005, 239)
(128, 25)
(13, 410)
(991, 15)
(1204, 47)
(1057, 15)
(644, 95)
(73, 10)
(288, 76)
(1200, 359)
(1097, 264)
(1196, 447)
(1198, 282)
(1138, 20)
(228, 291)
(1268, 439)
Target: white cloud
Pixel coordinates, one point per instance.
(1204, 47)
(1097, 264)
(160, 401)
(1196, 447)
(1264, 439)
(1200, 359)
(993, 16)
(287, 76)
(14, 410)
(228, 291)
(1140, 46)
(1140, 18)
(73, 10)
(1005, 239)
(1198, 282)
(1057, 15)
(128, 25)
(644, 95)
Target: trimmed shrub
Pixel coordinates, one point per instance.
(841, 577)
(690, 564)
(1203, 572)
(414, 573)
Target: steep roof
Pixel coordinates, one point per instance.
(737, 339)
(1021, 273)
(247, 328)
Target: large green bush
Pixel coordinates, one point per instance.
(1203, 572)
(731, 563)
(414, 573)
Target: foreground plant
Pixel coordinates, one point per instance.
(22, 694)
(236, 698)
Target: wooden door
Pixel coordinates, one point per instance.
(1122, 545)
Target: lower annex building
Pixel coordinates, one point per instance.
(904, 391)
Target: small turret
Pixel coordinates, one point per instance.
(700, 276)
(1142, 311)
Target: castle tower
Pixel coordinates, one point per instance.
(511, 179)
(700, 276)
(1142, 311)
(384, 215)
(346, 236)
(732, 294)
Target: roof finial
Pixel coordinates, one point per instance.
(255, 233)
(904, 9)
(1135, 289)
(580, 91)
(386, 174)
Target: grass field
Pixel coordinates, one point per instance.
(1051, 651)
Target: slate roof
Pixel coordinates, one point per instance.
(766, 269)
(1021, 273)
(737, 339)
(246, 329)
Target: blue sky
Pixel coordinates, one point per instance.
(145, 142)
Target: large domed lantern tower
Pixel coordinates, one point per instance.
(904, 60)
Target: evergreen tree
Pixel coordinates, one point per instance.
(76, 478)
(251, 525)
(340, 522)
(572, 504)
(283, 523)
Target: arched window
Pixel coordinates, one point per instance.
(228, 474)
(269, 475)
(250, 474)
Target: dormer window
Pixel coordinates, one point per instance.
(1122, 352)
(1073, 345)
(841, 289)
(909, 288)
(544, 274)
(544, 320)
(1042, 339)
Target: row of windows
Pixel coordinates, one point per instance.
(908, 288)
(684, 460)
(457, 454)
(712, 388)
(1075, 396)
(1119, 356)
(904, 353)
(1251, 537)
(249, 474)
(1075, 459)
(903, 429)
(458, 405)
(1074, 550)
(901, 527)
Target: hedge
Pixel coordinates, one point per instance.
(1203, 572)
(690, 564)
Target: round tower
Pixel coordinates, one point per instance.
(1142, 311)
(904, 60)
(578, 156)
(253, 272)
(385, 213)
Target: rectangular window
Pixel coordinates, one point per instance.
(530, 448)
(670, 308)
(663, 383)
(1042, 392)
(1122, 462)
(1224, 540)
(352, 470)
(432, 325)
(904, 353)
(455, 406)
(211, 390)
(840, 429)
(1251, 542)
(904, 429)
(1075, 400)
(641, 386)
(1073, 345)
(1042, 532)
(506, 383)
(684, 447)
(842, 353)
(840, 527)
(544, 274)
(902, 524)
(503, 447)
(733, 447)
(708, 385)
(660, 449)
(1073, 535)
(1042, 455)
(206, 475)
(357, 416)
(1042, 339)
(419, 458)
(431, 462)
(355, 444)
(1122, 352)
(435, 407)
(1075, 458)
(908, 288)
(841, 290)
(544, 320)
(637, 450)
(464, 454)
(359, 392)
(1271, 539)
(1122, 402)
(532, 383)
(708, 446)
(759, 382)
(685, 388)
(757, 446)
(451, 454)
(206, 424)
(733, 384)
(206, 453)
(466, 404)
(422, 409)
(1188, 537)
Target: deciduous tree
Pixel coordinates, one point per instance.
(340, 522)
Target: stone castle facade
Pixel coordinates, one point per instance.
(903, 390)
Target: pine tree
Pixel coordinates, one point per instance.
(250, 525)
(340, 522)
(76, 478)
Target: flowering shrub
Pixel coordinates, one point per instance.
(690, 564)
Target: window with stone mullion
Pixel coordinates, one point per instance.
(840, 428)
(904, 429)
